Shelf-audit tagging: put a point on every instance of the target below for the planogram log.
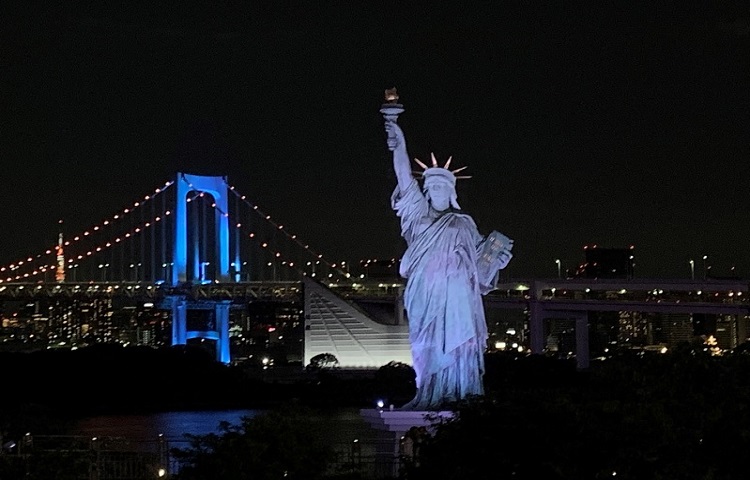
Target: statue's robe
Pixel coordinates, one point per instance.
(443, 300)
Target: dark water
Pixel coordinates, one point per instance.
(355, 443)
(340, 426)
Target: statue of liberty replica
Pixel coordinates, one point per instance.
(448, 266)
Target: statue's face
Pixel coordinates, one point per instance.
(440, 193)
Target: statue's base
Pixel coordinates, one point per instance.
(392, 426)
(400, 421)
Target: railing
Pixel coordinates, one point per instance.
(86, 458)
(118, 458)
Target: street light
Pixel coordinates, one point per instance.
(167, 271)
(135, 272)
(74, 269)
(705, 271)
(692, 269)
(103, 267)
(559, 274)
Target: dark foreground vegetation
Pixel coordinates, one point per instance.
(42, 391)
(684, 415)
(680, 415)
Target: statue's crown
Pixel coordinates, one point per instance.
(436, 171)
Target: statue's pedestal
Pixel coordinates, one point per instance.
(392, 426)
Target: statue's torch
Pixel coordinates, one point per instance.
(391, 109)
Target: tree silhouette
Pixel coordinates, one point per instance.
(281, 443)
(323, 361)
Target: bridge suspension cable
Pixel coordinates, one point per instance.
(28, 267)
(136, 245)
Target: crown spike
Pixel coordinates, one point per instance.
(448, 162)
(420, 163)
(458, 169)
(434, 160)
(461, 177)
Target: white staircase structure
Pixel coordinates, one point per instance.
(333, 325)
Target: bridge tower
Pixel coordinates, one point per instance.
(216, 313)
(217, 187)
(215, 328)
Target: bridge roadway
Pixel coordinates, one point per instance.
(636, 295)
(631, 295)
(238, 292)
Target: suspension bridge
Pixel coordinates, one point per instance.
(192, 244)
(190, 230)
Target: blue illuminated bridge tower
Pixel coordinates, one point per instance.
(216, 187)
(188, 253)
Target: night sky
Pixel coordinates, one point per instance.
(608, 123)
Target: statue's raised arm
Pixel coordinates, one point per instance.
(397, 144)
(396, 141)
